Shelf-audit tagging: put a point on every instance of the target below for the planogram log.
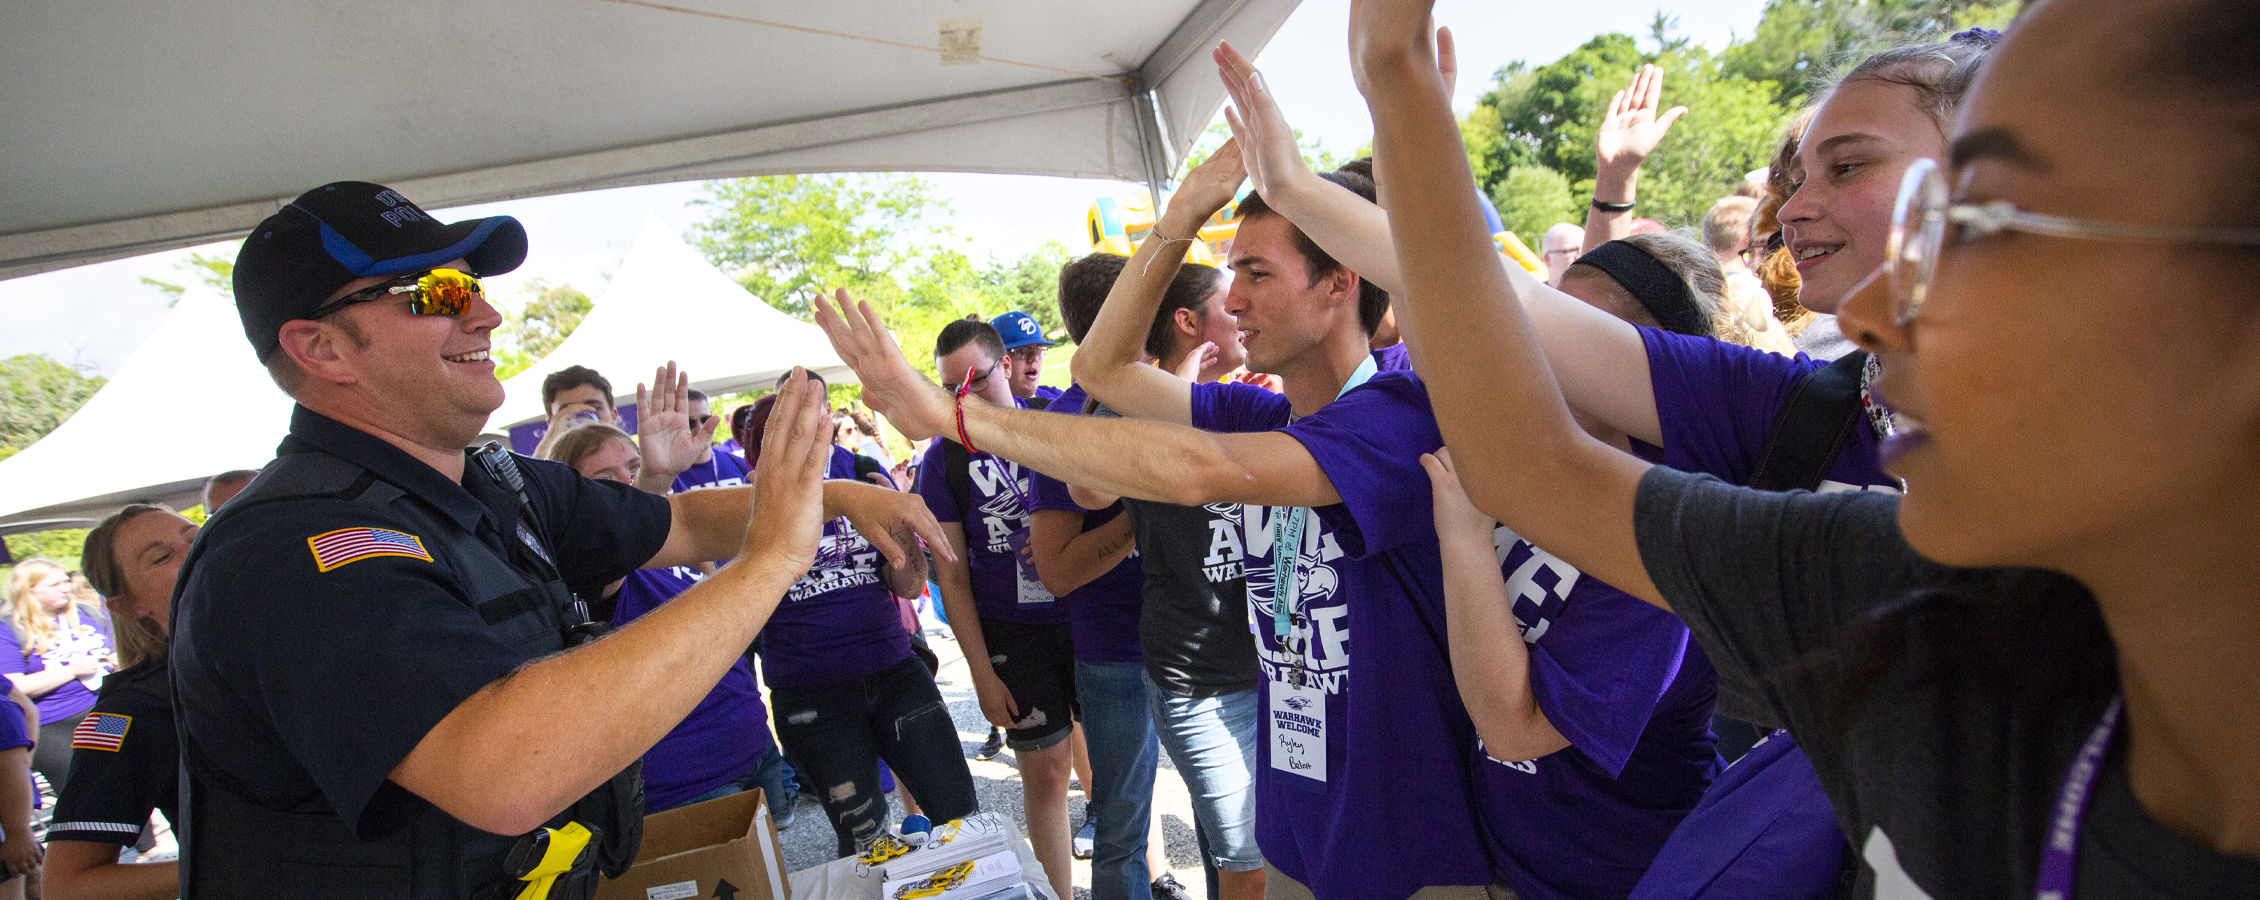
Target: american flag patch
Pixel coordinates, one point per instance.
(100, 731)
(336, 548)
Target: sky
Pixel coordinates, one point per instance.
(95, 317)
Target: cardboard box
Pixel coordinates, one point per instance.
(723, 849)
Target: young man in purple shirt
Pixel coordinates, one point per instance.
(1088, 556)
(1018, 646)
(1336, 459)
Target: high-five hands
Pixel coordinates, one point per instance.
(914, 404)
(664, 433)
(788, 486)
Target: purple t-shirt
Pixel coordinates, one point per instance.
(1103, 613)
(839, 621)
(1394, 358)
(1717, 402)
(999, 492)
(1621, 680)
(14, 731)
(1364, 774)
(723, 736)
(92, 638)
(726, 469)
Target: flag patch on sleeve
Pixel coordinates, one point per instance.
(100, 731)
(336, 548)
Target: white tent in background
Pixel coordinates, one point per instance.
(668, 303)
(135, 127)
(192, 402)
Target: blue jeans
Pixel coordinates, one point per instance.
(768, 774)
(1212, 742)
(1124, 752)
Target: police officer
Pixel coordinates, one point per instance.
(366, 663)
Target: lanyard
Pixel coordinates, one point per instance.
(1287, 549)
(2061, 850)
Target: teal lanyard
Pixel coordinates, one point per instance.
(1287, 544)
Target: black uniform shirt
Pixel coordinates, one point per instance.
(308, 687)
(126, 766)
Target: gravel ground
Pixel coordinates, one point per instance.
(809, 842)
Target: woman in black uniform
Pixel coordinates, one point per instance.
(125, 759)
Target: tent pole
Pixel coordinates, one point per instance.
(1153, 153)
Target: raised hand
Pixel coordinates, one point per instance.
(1632, 129)
(1207, 188)
(1267, 143)
(664, 433)
(1391, 37)
(916, 406)
(1198, 361)
(788, 486)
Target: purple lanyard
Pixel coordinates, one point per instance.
(2059, 855)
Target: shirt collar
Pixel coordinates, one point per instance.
(310, 430)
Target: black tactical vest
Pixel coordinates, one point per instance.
(233, 846)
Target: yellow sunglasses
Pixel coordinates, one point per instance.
(435, 292)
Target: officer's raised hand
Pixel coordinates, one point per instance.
(788, 487)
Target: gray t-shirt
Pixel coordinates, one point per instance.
(1194, 624)
(1944, 787)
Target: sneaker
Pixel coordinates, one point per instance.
(1167, 888)
(786, 813)
(993, 746)
(1087, 837)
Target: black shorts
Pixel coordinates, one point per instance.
(1037, 664)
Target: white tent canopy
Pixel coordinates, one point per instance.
(136, 127)
(668, 303)
(177, 413)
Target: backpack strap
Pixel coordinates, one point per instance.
(957, 469)
(1813, 427)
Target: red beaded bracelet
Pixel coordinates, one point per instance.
(962, 438)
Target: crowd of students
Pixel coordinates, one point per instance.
(1928, 468)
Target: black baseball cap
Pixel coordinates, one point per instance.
(346, 230)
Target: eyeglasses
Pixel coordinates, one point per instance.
(1925, 213)
(435, 292)
(974, 382)
(700, 421)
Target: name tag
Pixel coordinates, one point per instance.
(1298, 730)
(1032, 590)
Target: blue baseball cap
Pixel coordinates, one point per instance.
(1019, 329)
(347, 230)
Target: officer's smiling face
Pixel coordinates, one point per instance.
(427, 377)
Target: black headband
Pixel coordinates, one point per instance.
(1660, 290)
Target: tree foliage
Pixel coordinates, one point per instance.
(1542, 118)
(216, 270)
(1545, 118)
(789, 237)
(543, 316)
(37, 394)
(1800, 43)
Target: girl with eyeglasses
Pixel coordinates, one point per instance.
(2032, 675)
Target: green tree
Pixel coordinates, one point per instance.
(214, 269)
(1547, 117)
(542, 318)
(1531, 199)
(789, 237)
(1800, 43)
(37, 394)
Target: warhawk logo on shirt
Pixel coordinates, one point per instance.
(101, 731)
(336, 548)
